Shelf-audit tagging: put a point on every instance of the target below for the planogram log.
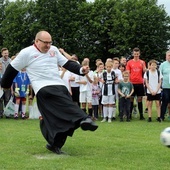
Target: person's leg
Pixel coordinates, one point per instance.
(158, 108)
(23, 115)
(95, 111)
(131, 105)
(60, 114)
(1, 107)
(110, 113)
(140, 107)
(164, 104)
(150, 111)
(7, 95)
(17, 101)
(121, 108)
(127, 108)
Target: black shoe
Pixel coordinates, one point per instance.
(146, 110)
(113, 118)
(8, 117)
(1, 116)
(149, 119)
(56, 150)
(128, 120)
(158, 119)
(88, 124)
(142, 118)
(121, 120)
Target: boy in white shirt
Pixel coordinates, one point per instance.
(153, 80)
(86, 89)
(118, 74)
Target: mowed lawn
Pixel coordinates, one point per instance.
(118, 145)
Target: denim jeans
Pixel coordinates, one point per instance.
(165, 101)
(124, 106)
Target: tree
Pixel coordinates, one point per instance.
(15, 25)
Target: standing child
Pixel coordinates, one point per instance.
(119, 78)
(153, 80)
(96, 92)
(86, 89)
(108, 91)
(125, 90)
(22, 83)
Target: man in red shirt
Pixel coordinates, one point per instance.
(136, 68)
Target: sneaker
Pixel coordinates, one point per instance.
(16, 116)
(24, 116)
(121, 120)
(40, 118)
(109, 120)
(158, 119)
(146, 110)
(149, 119)
(104, 120)
(88, 124)
(113, 118)
(168, 117)
(142, 118)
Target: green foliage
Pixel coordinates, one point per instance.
(105, 28)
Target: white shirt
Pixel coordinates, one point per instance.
(73, 83)
(42, 68)
(66, 78)
(153, 81)
(88, 86)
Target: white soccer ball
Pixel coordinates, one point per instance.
(165, 137)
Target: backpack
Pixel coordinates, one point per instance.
(147, 73)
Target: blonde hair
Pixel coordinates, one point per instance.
(125, 73)
(109, 63)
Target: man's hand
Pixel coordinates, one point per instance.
(17, 92)
(85, 69)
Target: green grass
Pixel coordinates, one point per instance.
(131, 145)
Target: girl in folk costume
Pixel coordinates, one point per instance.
(96, 93)
(22, 83)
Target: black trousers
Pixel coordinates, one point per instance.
(61, 116)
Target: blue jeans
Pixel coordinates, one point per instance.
(165, 101)
(124, 106)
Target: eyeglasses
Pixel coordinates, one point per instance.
(46, 42)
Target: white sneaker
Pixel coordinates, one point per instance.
(104, 120)
(109, 120)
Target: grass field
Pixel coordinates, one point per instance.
(131, 145)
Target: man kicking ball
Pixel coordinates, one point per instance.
(60, 115)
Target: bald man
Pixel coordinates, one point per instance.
(60, 115)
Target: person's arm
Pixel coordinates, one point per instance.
(76, 68)
(8, 77)
(68, 56)
(88, 78)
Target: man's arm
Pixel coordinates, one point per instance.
(8, 77)
(76, 68)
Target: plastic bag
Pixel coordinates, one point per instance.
(34, 113)
(9, 110)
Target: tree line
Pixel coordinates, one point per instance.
(103, 29)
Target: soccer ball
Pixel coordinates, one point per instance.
(165, 137)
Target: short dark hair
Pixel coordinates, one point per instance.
(4, 49)
(136, 49)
